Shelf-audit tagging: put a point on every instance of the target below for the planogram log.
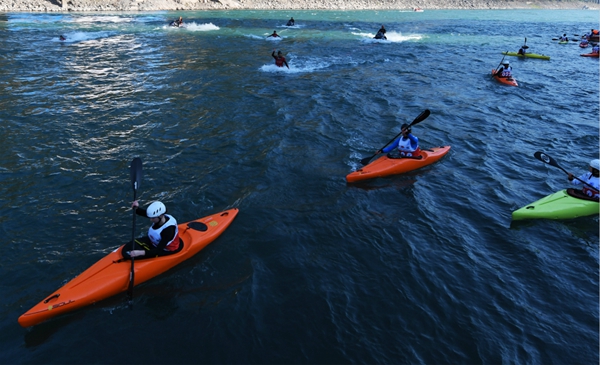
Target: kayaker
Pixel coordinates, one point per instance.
(274, 35)
(62, 38)
(522, 50)
(163, 236)
(279, 59)
(504, 71)
(595, 49)
(291, 22)
(381, 33)
(591, 178)
(563, 38)
(407, 144)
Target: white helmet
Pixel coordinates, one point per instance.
(156, 209)
(595, 164)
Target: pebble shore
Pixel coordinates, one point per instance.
(151, 5)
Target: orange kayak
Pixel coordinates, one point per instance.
(590, 55)
(386, 166)
(110, 275)
(504, 80)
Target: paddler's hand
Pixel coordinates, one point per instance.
(136, 253)
(135, 204)
(570, 177)
(378, 152)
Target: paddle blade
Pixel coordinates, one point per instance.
(547, 159)
(421, 117)
(366, 160)
(136, 173)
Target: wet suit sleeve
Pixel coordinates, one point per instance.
(141, 212)
(391, 147)
(273, 54)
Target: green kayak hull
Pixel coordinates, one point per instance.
(559, 205)
(528, 55)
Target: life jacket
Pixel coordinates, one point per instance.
(405, 148)
(279, 61)
(593, 181)
(595, 31)
(154, 234)
(506, 72)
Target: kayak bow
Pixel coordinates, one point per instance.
(564, 204)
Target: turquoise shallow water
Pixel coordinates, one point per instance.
(423, 267)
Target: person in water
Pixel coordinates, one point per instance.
(279, 59)
(274, 35)
(407, 144)
(564, 38)
(381, 33)
(591, 179)
(177, 23)
(504, 71)
(291, 22)
(62, 38)
(163, 236)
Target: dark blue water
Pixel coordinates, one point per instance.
(423, 267)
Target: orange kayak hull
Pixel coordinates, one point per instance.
(386, 166)
(110, 275)
(511, 81)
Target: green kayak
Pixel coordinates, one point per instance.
(529, 55)
(564, 204)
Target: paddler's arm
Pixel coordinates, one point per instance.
(390, 147)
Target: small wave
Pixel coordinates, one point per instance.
(101, 19)
(392, 37)
(73, 37)
(299, 66)
(204, 27)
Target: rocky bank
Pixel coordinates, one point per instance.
(150, 5)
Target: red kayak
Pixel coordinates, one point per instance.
(110, 275)
(505, 80)
(386, 166)
(590, 55)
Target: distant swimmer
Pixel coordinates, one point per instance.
(62, 38)
(291, 22)
(274, 35)
(279, 59)
(381, 33)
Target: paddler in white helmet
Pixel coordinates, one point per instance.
(163, 236)
(504, 71)
(591, 180)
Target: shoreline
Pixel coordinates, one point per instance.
(65, 6)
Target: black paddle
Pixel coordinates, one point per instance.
(421, 117)
(552, 162)
(136, 179)
(496, 69)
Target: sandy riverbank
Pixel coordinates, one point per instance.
(149, 5)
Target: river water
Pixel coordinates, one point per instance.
(424, 267)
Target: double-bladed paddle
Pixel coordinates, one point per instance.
(496, 69)
(552, 162)
(136, 180)
(421, 117)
